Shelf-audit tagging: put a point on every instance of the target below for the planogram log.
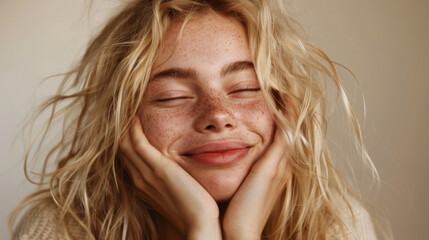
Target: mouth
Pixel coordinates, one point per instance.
(218, 154)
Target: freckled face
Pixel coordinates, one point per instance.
(203, 108)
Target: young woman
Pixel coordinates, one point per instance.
(193, 119)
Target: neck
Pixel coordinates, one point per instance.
(222, 209)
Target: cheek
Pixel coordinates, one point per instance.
(256, 116)
(162, 127)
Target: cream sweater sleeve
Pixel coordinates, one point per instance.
(42, 222)
(364, 226)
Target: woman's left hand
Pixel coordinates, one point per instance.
(252, 204)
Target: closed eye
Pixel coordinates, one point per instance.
(170, 99)
(250, 89)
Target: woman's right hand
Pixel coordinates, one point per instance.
(168, 188)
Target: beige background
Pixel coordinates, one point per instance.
(384, 42)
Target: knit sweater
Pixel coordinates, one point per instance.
(42, 222)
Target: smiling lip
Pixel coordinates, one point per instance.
(218, 154)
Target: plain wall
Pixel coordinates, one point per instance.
(384, 43)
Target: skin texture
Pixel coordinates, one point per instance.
(211, 106)
(206, 102)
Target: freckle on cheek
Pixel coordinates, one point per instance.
(161, 127)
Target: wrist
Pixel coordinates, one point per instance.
(240, 235)
(207, 230)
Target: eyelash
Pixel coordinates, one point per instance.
(251, 89)
(169, 99)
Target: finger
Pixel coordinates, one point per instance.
(277, 148)
(138, 163)
(143, 174)
(274, 156)
(142, 146)
(134, 174)
(147, 191)
(128, 150)
(156, 174)
(151, 195)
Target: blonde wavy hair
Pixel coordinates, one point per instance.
(98, 99)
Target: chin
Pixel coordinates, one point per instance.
(222, 188)
(222, 196)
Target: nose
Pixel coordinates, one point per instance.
(214, 114)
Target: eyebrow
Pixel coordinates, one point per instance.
(236, 67)
(182, 73)
(185, 73)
